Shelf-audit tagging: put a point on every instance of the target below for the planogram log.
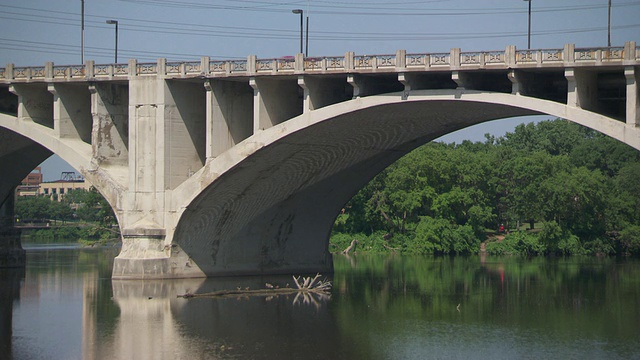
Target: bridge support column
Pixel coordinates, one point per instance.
(229, 108)
(166, 145)
(632, 75)
(71, 111)
(322, 91)
(582, 89)
(275, 100)
(146, 255)
(11, 252)
(35, 103)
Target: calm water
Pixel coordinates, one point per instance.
(64, 306)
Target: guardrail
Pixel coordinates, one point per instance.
(350, 62)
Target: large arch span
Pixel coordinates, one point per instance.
(267, 205)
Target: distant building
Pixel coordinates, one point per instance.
(30, 184)
(33, 185)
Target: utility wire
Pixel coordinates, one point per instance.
(278, 34)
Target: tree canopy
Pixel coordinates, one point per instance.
(576, 190)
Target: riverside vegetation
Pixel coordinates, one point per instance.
(80, 215)
(553, 187)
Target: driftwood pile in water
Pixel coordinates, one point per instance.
(305, 288)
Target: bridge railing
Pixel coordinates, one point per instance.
(350, 62)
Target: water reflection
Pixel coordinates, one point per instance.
(536, 308)
(9, 294)
(381, 307)
(154, 323)
(258, 327)
(145, 327)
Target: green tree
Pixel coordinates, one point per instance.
(33, 208)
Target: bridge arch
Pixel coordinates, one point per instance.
(42, 142)
(268, 204)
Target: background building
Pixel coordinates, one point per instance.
(32, 185)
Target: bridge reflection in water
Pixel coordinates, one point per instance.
(154, 323)
(382, 307)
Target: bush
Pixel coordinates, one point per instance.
(630, 240)
(517, 243)
(559, 241)
(501, 248)
(599, 246)
(440, 236)
(340, 241)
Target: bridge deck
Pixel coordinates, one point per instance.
(510, 58)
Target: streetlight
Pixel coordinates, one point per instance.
(299, 11)
(82, 31)
(609, 27)
(529, 31)
(115, 22)
(306, 38)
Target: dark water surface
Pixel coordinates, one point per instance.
(65, 306)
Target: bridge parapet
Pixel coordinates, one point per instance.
(629, 54)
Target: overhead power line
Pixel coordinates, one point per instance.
(177, 28)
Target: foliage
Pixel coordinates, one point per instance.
(517, 243)
(630, 240)
(445, 198)
(93, 217)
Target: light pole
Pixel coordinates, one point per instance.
(306, 38)
(529, 28)
(115, 22)
(609, 27)
(299, 11)
(82, 31)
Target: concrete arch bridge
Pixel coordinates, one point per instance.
(240, 167)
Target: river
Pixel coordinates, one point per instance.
(65, 306)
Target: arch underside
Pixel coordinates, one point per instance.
(18, 157)
(42, 143)
(273, 212)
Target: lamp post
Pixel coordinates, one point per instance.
(609, 27)
(299, 11)
(529, 28)
(115, 22)
(82, 31)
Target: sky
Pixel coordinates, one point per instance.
(33, 32)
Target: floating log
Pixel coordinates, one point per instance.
(308, 285)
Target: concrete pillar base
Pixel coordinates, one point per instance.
(147, 257)
(11, 252)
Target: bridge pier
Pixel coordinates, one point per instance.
(146, 255)
(11, 252)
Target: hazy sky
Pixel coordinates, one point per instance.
(33, 32)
